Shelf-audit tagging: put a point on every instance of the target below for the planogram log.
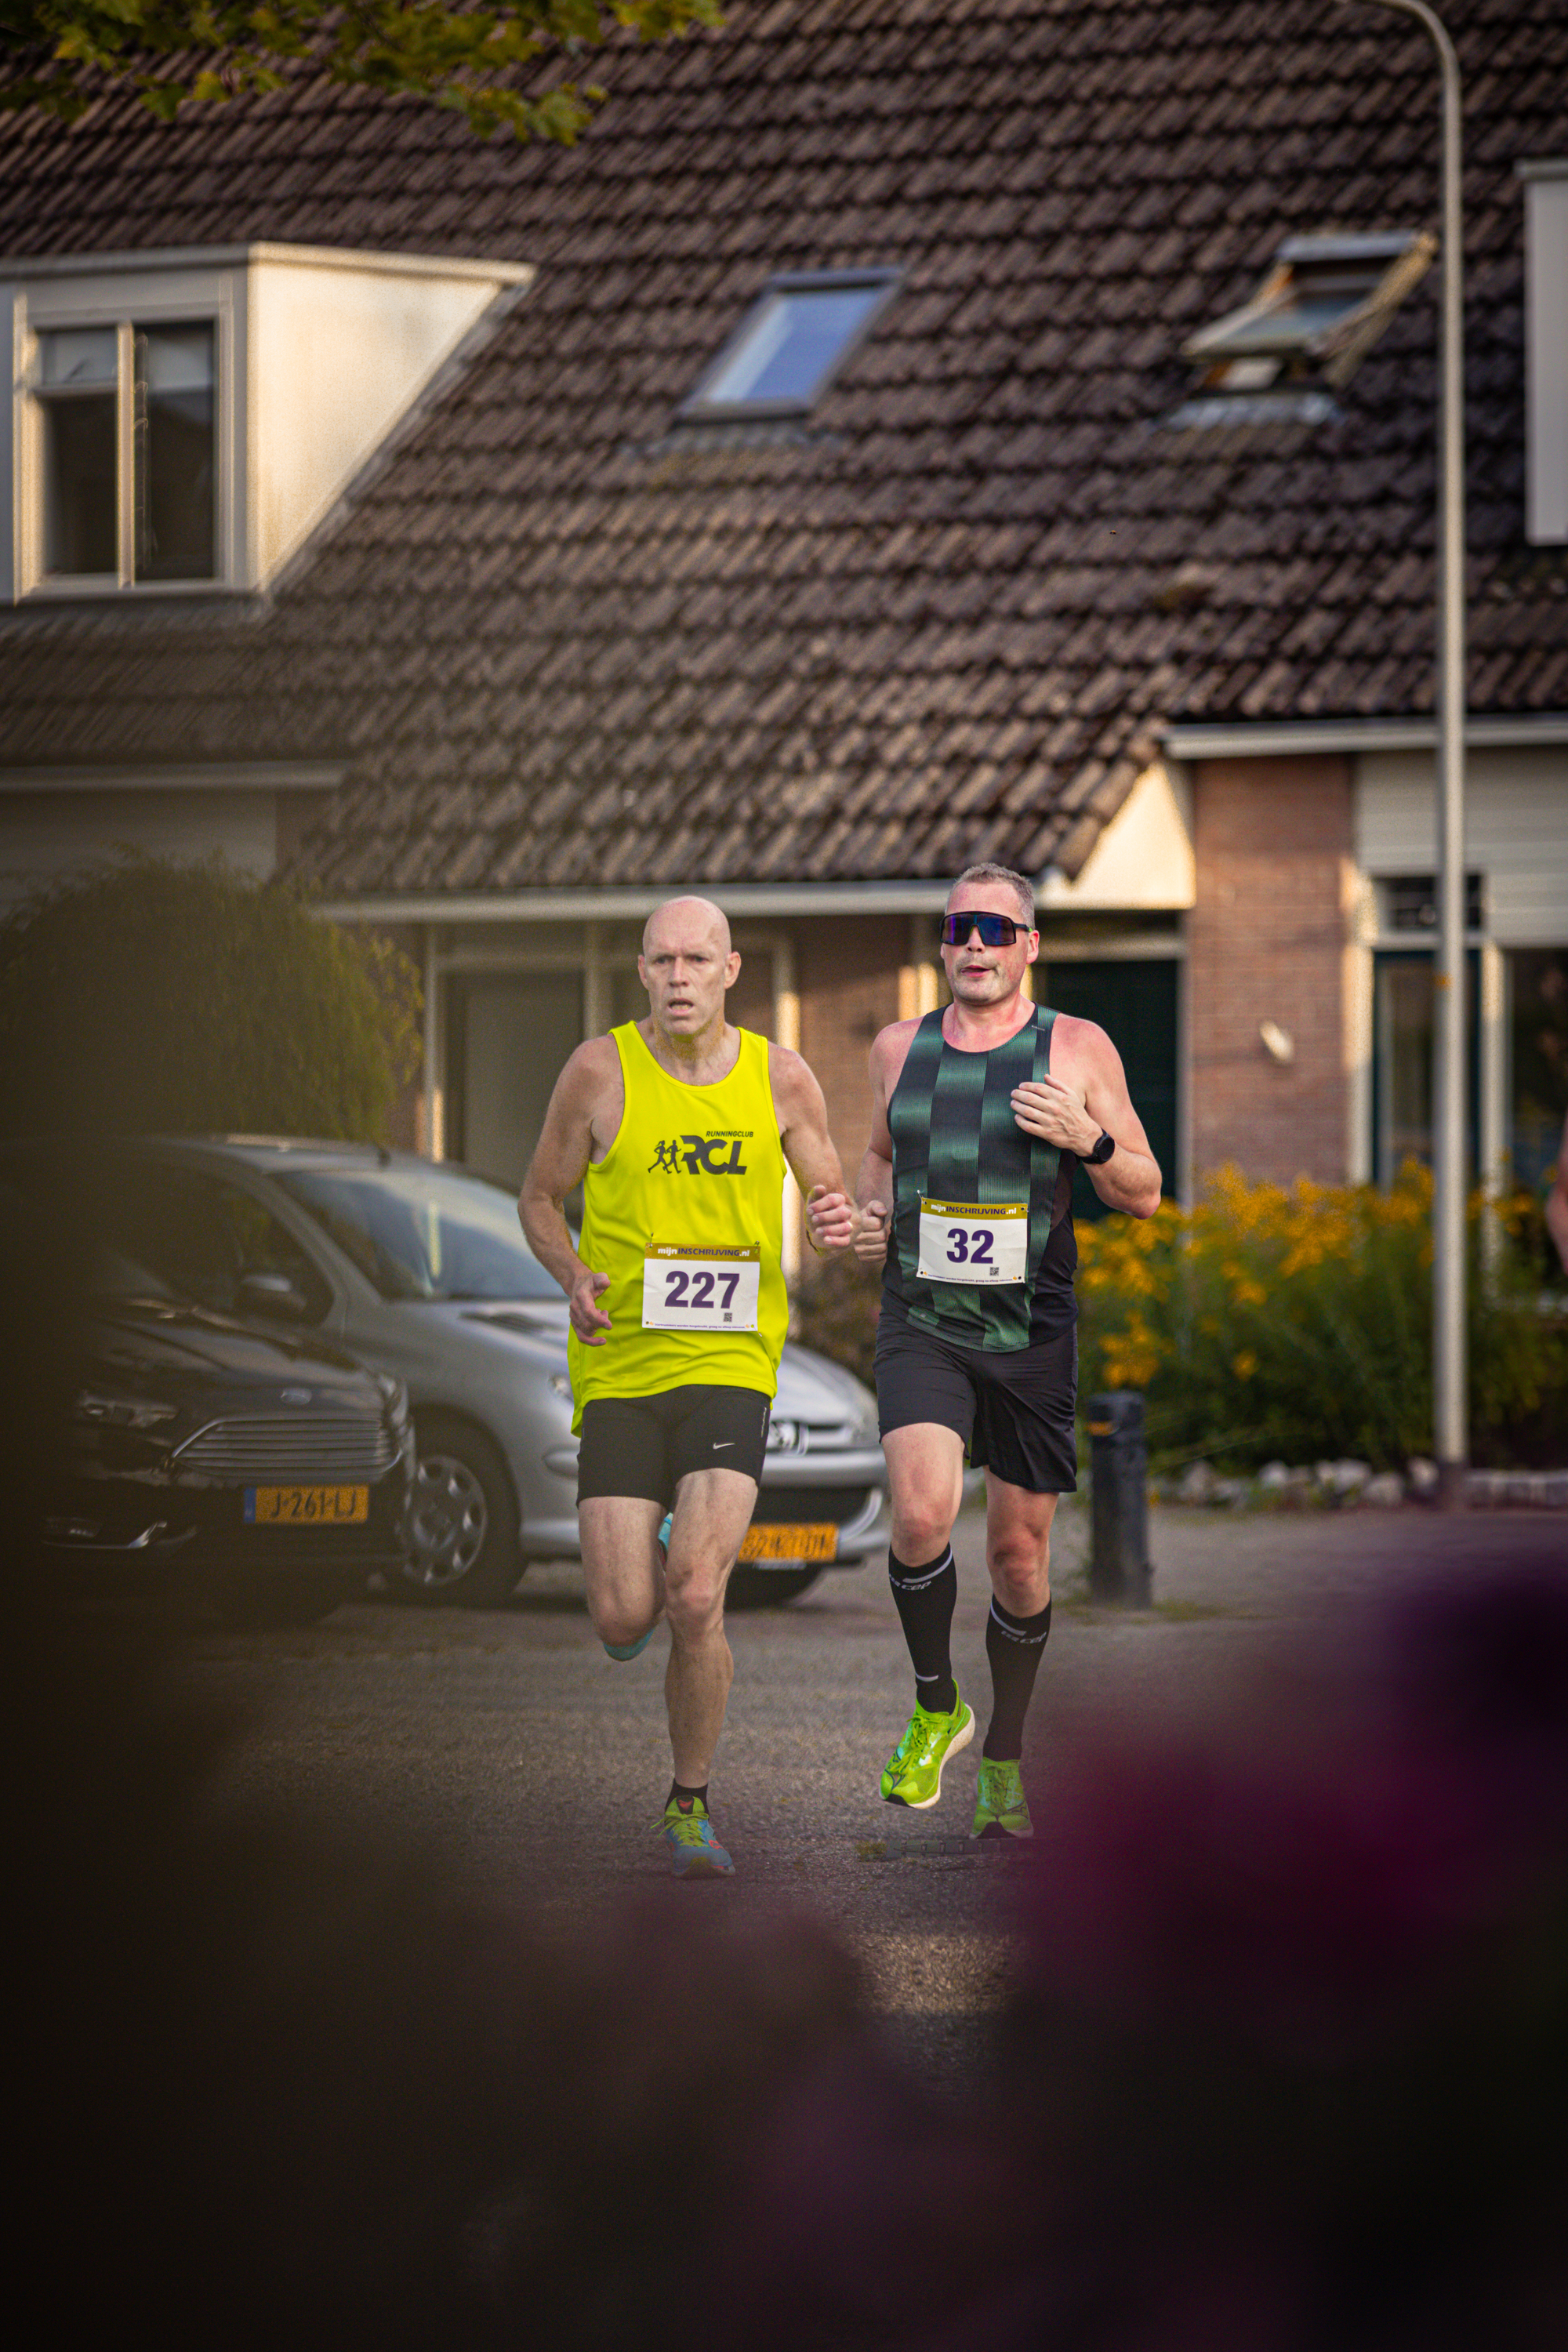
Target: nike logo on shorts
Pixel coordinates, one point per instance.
(723, 1445)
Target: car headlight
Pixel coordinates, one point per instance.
(562, 1384)
(121, 1412)
(783, 1437)
(396, 1394)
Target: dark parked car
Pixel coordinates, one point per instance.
(421, 1271)
(270, 1474)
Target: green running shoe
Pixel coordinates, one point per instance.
(1001, 1807)
(694, 1850)
(913, 1774)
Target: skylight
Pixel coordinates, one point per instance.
(1318, 313)
(791, 344)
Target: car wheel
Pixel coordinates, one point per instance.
(768, 1587)
(462, 1522)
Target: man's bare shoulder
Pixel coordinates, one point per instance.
(591, 1073)
(791, 1076)
(890, 1045)
(1081, 1044)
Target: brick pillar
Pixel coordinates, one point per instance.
(1267, 941)
(847, 968)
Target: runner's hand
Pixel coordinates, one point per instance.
(589, 1320)
(1044, 1107)
(871, 1233)
(831, 1216)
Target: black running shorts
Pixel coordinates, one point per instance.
(645, 1445)
(1014, 1412)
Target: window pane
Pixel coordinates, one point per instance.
(434, 1232)
(1540, 993)
(793, 342)
(175, 453)
(78, 356)
(79, 532)
(1404, 1000)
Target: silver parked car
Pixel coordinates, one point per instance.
(420, 1269)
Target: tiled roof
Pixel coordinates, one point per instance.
(561, 640)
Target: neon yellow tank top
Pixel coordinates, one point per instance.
(692, 1170)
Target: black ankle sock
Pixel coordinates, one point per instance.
(681, 1796)
(1015, 1645)
(925, 1597)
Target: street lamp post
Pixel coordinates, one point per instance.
(1450, 1416)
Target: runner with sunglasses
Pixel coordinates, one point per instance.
(982, 1112)
(678, 1128)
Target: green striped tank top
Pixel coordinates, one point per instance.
(955, 1138)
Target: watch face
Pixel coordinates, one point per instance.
(1103, 1150)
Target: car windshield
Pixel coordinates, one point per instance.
(427, 1233)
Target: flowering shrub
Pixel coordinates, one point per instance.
(1297, 1323)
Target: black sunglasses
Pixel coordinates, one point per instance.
(996, 930)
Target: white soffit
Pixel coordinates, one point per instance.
(1142, 859)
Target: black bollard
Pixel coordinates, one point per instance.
(1118, 1563)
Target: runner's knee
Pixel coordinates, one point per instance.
(921, 1525)
(694, 1604)
(1020, 1563)
(619, 1621)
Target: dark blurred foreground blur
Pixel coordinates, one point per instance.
(1285, 2066)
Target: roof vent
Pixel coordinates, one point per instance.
(1323, 304)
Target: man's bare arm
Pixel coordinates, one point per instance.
(585, 1088)
(874, 1185)
(1086, 1098)
(1557, 1202)
(809, 1149)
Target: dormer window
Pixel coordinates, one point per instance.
(127, 422)
(181, 422)
(1302, 337)
(792, 344)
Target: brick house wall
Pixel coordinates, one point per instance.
(848, 974)
(1267, 941)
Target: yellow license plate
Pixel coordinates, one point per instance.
(809, 1539)
(312, 1507)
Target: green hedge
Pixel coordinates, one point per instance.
(1293, 1323)
(160, 998)
(1298, 1324)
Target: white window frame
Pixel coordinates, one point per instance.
(1546, 350)
(139, 297)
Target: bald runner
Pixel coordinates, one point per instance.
(678, 1128)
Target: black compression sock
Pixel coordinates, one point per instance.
(682, 1796)
(1015, 1646)
(925, 1597)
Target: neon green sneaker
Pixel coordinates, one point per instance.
(913, 1774)
(1001, 1807)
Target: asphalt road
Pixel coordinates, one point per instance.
(509, 1745)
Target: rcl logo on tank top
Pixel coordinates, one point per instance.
(700, 1155)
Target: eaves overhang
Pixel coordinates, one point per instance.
(1294, 738)
(230, 776)
(577, 905)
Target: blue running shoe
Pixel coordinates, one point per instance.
(694, 1851)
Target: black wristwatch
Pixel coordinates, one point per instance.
(1103, 1150)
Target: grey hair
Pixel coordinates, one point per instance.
(1019, 884)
